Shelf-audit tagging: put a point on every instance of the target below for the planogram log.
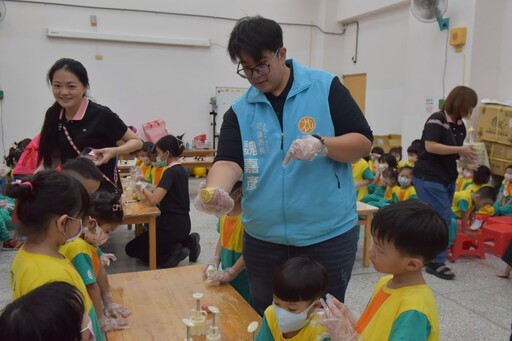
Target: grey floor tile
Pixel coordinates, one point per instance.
(469, 275)
(474, 306)
(459, 323)
(493, 304)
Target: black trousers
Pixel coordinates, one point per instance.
(171, 230)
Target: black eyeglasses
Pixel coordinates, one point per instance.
(262, 69)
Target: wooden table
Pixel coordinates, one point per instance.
(198, 152)
(160, 299)
(366, 211)
(140, 213)
(123, 166)
(190, 162)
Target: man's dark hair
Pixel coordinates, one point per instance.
(254, 36)
(414, 228)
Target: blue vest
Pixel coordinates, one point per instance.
(306, 202)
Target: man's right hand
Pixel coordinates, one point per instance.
(213, 200)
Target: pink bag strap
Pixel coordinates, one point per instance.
(70, 140)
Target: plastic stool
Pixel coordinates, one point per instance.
(499, 235)
(500, 220)
(467, 245)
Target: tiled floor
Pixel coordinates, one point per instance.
(477, 305)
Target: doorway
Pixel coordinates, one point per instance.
(356, 84)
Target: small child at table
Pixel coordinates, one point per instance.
(298, 285)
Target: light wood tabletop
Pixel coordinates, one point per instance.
(160, 299)
(365, 212)
(139, 212)
(198, 152)
(191, 162)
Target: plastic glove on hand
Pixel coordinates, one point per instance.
(224, 276)
(211, 267)
(106, 258)
(213, 200)
(306, 148)
(115, 310)
(338, 320)
(108, 324)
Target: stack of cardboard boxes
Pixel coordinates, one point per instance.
(387, 142)
(495, 130)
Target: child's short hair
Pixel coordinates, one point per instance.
(397, 150)
(389, 159)
(53, 311)
(147, 147)
(299, 279)
(44, 195)
(390, 173)
(414, 228)
(482, 175)
(377, 150)
(486, 192)
(105, 207)
(508, 167)
(414, 147)
(84, 167)
(405, 168)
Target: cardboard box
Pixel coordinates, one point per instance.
(498, 166)
(499, 151)
(495, 124)
(387, 141)
(500, 156)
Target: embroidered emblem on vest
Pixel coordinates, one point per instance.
(307, 124)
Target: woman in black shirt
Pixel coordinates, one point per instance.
(173, 243)
(74, 122)
(435, 171)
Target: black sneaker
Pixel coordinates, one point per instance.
(176, 258)
(192, 243)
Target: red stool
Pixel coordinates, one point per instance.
(467, 245)
(500, 220)
(497, 237)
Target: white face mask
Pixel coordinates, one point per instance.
(290, 322)
(508, 177)
(145, 160)
(79, 232)
(97, 238)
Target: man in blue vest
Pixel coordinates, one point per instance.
(291, 137)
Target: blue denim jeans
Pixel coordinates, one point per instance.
(262, 258)
(440, 197)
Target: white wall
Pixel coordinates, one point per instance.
(138, 81)
(402, 57)
(505, 72)
(382, 56)
(425, 64)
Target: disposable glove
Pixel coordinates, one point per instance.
(306, 148)
(106, 258)
(213, 200)
(224, 276)
(113, 309)
(108, 324)
(338, 320)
